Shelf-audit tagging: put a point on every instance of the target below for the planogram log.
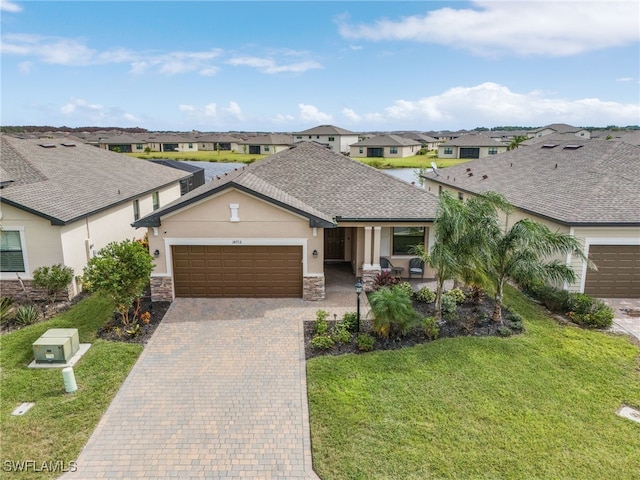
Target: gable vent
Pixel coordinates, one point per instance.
(47, 145)
(572, 147)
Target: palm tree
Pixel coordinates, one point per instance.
(523, 253)
(462, 230)
(516, 141)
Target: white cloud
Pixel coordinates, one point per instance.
(490, 104)
(521, 28)
(11, 7)
(309, 113)
(624, 79)
(234, 110)
(268, 65)
(79, 104)
(283, 118)
(186, 108)
(74, 52)
(212, 113)
(25, 67)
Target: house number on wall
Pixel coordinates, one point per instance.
(236, 242)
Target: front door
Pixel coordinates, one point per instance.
(334, 243)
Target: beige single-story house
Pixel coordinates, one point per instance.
(585, 188)
(124, 143)
(336, 138)
(268, 229)
(385, 146)
(213, 141)
(265, 144)
(61, 201)
(471, 146)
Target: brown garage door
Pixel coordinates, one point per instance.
(618, 274)
(237, 271)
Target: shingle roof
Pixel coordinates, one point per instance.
(593, 183)
(326, 130)
(324, 185)
(64, 184)
(473, 140)
(386, 141)
(560, 128)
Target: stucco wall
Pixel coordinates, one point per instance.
(259, 223)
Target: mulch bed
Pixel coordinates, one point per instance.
(473, 319)
(116, 330)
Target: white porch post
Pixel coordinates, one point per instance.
(375, 261)
(367, 248)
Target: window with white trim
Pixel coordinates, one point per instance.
(448, 151)
(155, 197)
(393, 150)
(404, 238)
(493, 151)
(136, 209)
(11, 258)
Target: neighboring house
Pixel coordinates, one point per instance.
(471, 146)
(62, 201)
(336, 138)
(171, 142)
(265, 144)
(385, 146)
(586, 188)
(213, 141)
(267, 230)
(426, 141)
(124, 143)
(561, 128)
(196, 176)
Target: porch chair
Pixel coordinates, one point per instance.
(385, 265)
(416, 267)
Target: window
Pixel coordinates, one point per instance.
(332, 139)
(299, 137)
(155, 197)
(439, 189)
(11, 259)
(318, 137)
(493, 151)
(191, 145)
(266, 148)
(136, 209)
(448, 151)
(460, 196)
(361, 150)
(406, 237)
(393, 150)
(138, 146)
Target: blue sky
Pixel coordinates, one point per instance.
(288, 66)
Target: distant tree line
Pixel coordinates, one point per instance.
(46, 128)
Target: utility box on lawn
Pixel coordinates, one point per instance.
(56, 345)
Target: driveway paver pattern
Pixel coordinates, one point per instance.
(218, 392)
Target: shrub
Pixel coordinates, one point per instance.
(54, 279)
(554, 299)
(425, 295)
(430, 327)
(341, 333)
(579, 303)
(515, 317)
(365, 342)
(321, 322)
(393, 312)
(449, 307)
(384, 279)
(7, 309)
(350, 321)
(322, 342)
(457, 294)
(27, 315)
(406, 288)
(376, 163)
(516, 326)
(477, 293)
(504, 331)
(121, 272)
(600, 315)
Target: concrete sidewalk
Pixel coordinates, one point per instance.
(627, 311)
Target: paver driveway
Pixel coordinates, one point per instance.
(219, 392)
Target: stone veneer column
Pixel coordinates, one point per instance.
(369, 275)
(161, 289)
(313, 288)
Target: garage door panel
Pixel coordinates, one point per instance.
(618, 274)
(237, 271)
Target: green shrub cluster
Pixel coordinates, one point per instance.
(449, 307)
(425, 295)
(457, 294)
(430, 327)
(406, 288)
(326, 336)
(365, 342)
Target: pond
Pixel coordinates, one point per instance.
(409, 175)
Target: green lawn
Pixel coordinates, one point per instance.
(59, 424)
(417, 161)
(539, 405)
(201, 156)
